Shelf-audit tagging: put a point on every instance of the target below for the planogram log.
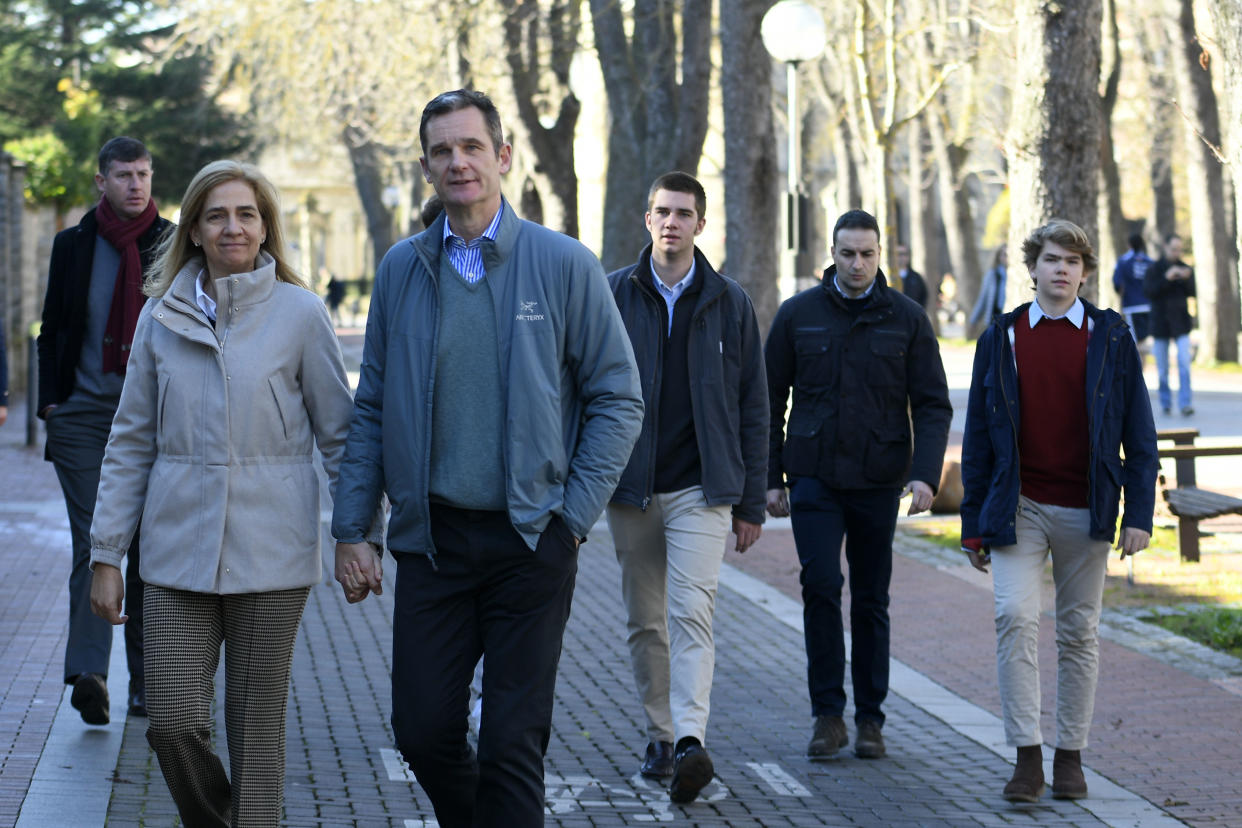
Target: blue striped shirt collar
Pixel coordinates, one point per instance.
(467, 256)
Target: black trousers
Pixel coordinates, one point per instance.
(75, 442)
(865, 518)
(487, 593)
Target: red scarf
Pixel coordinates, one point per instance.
(127, 298)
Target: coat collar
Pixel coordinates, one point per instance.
(711, 283)
(430, 243)
(879, 296)
(178, 309)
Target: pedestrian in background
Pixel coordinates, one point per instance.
(235, 378)
(697, 472)
(991, 300)
(1057, 391)
(864, 366)
(912, 282)
(1169, 283)
(1128, 277)
(497, 405)
(335, 295)
(94, 297)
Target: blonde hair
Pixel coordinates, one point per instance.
(1064, 233)
(177, 248)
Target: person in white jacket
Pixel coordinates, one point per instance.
(235, 376)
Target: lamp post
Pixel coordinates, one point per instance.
(793, 31)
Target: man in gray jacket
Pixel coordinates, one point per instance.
(497, 405)
(699, 469)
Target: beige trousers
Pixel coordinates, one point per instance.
(1078, 568)
(670, 558)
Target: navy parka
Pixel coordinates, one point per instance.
(1118, 416)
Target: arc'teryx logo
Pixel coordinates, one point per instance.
(528, 312)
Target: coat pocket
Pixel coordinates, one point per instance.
(888, 457)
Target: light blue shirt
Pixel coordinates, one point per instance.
(672, 294)
(467, 256)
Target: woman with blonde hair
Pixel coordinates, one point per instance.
(235, 376)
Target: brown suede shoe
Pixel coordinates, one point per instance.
(828, 738)
(1027, 782)
(1067, 779)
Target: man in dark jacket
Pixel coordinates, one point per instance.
(1057, 390)
(912, 282)
(701, 457)
(1169, 283)
(864, 365)
(1128, 278)
(94, 295)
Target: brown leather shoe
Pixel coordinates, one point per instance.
(1067, 779)
(870, 741)
(1027, 782)
(829, 737)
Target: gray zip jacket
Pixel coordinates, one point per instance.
(573, 407)
(213, 441)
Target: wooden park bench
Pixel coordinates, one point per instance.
(1186, 500)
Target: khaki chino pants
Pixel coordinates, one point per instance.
(1078, 568)
(670, 558)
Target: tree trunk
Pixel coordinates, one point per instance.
(1054, 133)
(752, 175)
(1215, 276)
(1112, 220)
(553, 145)
(1161, 118)
(656, 122)
(1228, 18)
(817, 131)
(923, 250)
(368, 164)
(958, 214)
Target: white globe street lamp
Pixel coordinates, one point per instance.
(793, 31)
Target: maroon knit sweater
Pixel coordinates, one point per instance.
(1052, 440)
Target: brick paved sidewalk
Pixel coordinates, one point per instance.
(1159, 731)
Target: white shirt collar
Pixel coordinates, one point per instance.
(1075, 313)
(205, 302)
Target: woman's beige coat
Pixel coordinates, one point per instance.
(213, 442)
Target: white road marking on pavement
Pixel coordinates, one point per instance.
(775, 777)
(398, 770)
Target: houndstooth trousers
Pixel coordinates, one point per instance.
(183, 632)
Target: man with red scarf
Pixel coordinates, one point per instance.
(94, 295)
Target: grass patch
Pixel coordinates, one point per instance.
(1219, 628)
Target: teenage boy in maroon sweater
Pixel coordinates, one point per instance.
(1057, 391)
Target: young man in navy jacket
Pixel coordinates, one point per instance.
(1057, 390)
(698, 471)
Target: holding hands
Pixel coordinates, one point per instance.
(359, 570)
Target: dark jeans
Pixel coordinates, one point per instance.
(487, 594)
(866, 518)
(75, 441)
